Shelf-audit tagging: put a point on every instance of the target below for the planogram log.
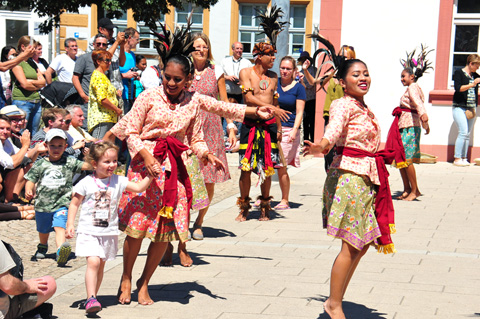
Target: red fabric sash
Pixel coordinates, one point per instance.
(173, 148)
(384, 211)
(394, 139)
(267, 144)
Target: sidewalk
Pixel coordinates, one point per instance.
(281, 268)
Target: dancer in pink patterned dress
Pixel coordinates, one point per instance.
(160, 121)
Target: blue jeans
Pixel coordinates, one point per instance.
(34, 113)
(464, 128)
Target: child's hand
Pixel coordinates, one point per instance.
(28, 194)
(70, 232)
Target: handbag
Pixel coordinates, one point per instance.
(470, 113)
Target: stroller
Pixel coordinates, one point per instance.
(58, 94)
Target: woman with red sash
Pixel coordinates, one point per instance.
(357, 181)
(411, 114)
(162, 125)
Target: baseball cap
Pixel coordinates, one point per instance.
(55, 132)
(106, 23)
(12, 110)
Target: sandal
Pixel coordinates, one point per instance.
(281, 206)
(27, 214)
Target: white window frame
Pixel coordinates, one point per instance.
(254, 30)
(292, 30)
(195, 27)
(459, 19)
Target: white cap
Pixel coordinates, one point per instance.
(55, 132)
(12, 110)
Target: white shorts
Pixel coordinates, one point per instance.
(105, 247)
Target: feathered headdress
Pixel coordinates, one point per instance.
(271, 28)
(420, 64)
(178, 42)
(327, 57)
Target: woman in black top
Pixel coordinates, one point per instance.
(465, 101)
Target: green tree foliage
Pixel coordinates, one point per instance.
(148, 11)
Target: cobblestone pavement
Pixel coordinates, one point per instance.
(23, 236)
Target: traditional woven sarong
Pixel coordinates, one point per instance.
(258, 147)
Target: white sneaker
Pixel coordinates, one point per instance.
(460, 163)
(467, 163)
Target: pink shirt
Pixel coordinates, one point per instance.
(350, 125)
(151, 118)
(412, 99)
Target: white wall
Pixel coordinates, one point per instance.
(381, 33)
(219, 33)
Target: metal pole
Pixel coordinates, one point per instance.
(282, 40)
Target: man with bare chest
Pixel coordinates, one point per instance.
(258, 138)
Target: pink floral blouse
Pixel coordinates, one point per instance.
(151, 118)
(351, 126)
(412, 99)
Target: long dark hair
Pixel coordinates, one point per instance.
(345, 67)
(5, 51)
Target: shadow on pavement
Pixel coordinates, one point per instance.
(198, 258)
(209, 232)
(352, 310)
(177, 292)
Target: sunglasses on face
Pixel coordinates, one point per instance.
(17, 120)
(106, 60)
(101, 44)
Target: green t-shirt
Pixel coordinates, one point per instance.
(20, 93)
(54, 182)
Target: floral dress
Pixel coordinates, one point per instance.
(212, 127)
(149, 119)
(349, 191)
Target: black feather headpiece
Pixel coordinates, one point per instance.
(326, 57)
(178, 42)
(419, 64)
(269, 21)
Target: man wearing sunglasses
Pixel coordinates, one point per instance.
(84, 68)
(63, 64)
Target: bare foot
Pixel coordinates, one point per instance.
(124, 294)
(167, 257)
(404, 194)
(333, 312)
(410, 197)
(264, 215)
(242, 216)
(185, 259)
(143, 295)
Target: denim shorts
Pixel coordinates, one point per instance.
(47, 221)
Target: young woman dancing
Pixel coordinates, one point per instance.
(411, 114)
(350, 188)
(157, 127)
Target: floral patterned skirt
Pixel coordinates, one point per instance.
(348, 208)
(411, 143)
(138, 213)
(200, 195)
